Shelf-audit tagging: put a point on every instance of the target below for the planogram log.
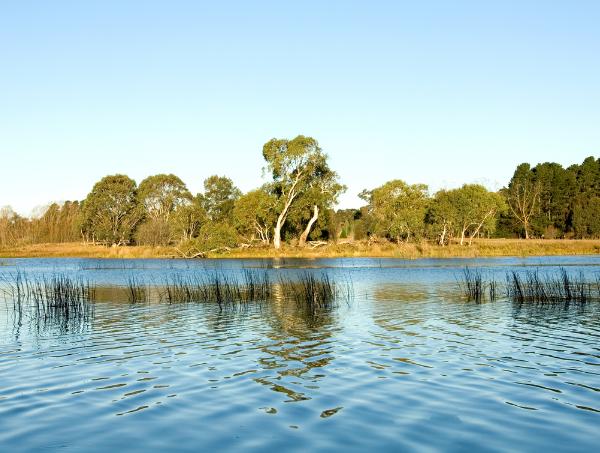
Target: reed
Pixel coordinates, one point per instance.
(137, 291)
(49, 297)
(255, 286)
(218, 288)
(532, 286)
(472, 284)
(311, 292)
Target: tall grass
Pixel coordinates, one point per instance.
(472, 284)
(137, 291)
(218, 288)
(315, 292)
(532, 286)
(311, 291)
(540, 288)
(49, 297)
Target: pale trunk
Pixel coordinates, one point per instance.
(277, 231)
(313, 219)
(476, 232)
(282, 216)
(443, 236)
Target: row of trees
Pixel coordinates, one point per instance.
(545, 201)
(551, 201)
(298, 203)
(400, 211)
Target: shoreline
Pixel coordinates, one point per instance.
(481, 248)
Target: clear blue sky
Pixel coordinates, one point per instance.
(436, 92)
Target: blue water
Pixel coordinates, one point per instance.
(405, 364)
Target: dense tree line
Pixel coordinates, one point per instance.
(297, 205)
(551, 201)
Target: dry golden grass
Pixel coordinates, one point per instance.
(480, 248)
(82, 250)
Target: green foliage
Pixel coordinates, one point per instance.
(546, 200)
(550, 201)
(464, 212)
(218, 200)
(302, 182)
(345, 221)
(214, 236)
(254, 214)
(160, 196)
(398, 209)
(110, 211)
(188, 218)
(586, 217)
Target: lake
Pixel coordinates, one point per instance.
(405, 363)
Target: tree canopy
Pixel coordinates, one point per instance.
(298, 202)
(111, 211)
(299, 169)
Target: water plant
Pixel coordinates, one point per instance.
(533, 286)
(308, 290)
(48, 296)
(137, 291)
(473, 285)
(219, 288)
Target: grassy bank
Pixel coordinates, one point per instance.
(480, 248)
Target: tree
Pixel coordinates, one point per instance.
(219, 198)
(254, 214)
(321, 195)
(476, 207)
(8, 220)
(160, 196)
(110, 211)
(398, 209)
(189, 218)
(58, 223)
(585, 204)
(522, 196)
(557, 188)
(586, 217)
(297, 166)
(441, 216)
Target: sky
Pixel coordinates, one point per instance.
(435, 92)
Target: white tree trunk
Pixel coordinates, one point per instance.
(443, 236)
(306, 232)
(277, 231)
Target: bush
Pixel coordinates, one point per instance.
(211, 236)
(153, 232)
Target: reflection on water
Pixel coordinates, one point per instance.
(406, 364)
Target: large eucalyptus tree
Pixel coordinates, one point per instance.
(299, 168)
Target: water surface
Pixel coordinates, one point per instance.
(406, 364)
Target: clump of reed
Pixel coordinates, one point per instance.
(531, 287)
(48, 297)
(542, 288)
(137, 291)
(218, 288)
(474, 286)
(314, 292)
